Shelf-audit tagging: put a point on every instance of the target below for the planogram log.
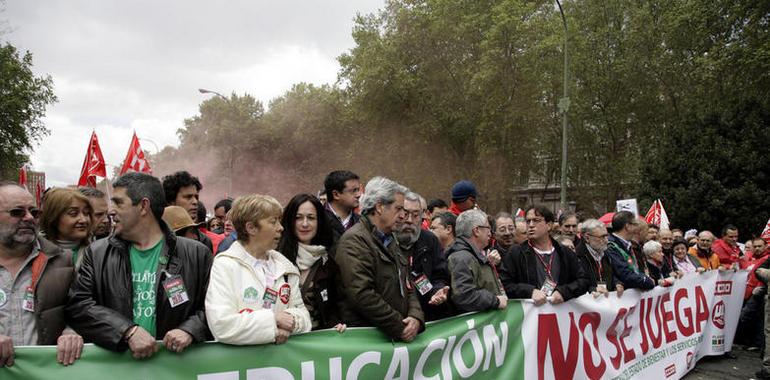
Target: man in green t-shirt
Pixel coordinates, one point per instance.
(168, 279)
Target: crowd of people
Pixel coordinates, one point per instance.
(147, 265)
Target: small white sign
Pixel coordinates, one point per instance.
(628, 205)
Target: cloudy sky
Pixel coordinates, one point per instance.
(120, 66)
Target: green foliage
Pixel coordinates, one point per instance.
(23, 98)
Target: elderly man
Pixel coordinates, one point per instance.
(702, 250)
(727, 248)
(475, 284)
(542, 269)
(666, 239)
(591, 255)
(166, 277)
(625, 264)
(505, 232)
(374, 285)
(428, 273)
(34, 277)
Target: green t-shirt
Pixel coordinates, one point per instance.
(144, 265)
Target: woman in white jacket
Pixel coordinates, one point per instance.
(253, 295)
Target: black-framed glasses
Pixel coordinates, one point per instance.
(602, 237)
(20, 212)
(487, 227)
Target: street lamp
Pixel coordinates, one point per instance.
(231, 162)
(563, 108)
(205, 91)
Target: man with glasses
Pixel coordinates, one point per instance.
(625, 263)
(505, 232)
(428, 273)
(542, 269)
(343, 190)
(475, 282)
(35, 275)
(591, 255)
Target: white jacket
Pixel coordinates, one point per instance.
(234, 303)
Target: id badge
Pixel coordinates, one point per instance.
(175, 291)
(28, 302)
(423, 285)
(268, 300)
(548, 287)
(601, 286)
(324, 295)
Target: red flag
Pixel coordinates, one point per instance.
(135, 160)
(519, 213)
(93, 165)
(657, 215)
(23, 176)
(39, 195)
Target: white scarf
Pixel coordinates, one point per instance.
(307, 255)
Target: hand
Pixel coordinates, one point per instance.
(439, 297)
(284, 321)
(142, 344)
(539, 297)
(494, 257)
(412, 326)
(503, 302)
(340, 327)
(679, 274)
(68, 348)
(619, 288)
(6, 351)
(700, 270)
(177, 340)
(556, 298)
(281, 336)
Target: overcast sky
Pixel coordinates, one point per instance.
(120, 66)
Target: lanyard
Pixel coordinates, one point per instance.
(599, 267)
(550, 262)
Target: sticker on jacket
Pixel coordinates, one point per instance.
(285, 293)
(250, 295)
(268, 300)
(175, 291)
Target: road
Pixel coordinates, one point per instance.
(743, 366)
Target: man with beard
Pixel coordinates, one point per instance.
(143, 284)
(505, 232)
(568, 226)
(702, 250)
(100, 212)
(590, 254)
(35, 275)
(428, 272)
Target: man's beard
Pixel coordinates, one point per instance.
(11, 239)
(407, 238)
(600, 249)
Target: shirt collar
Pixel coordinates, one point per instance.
(625, 242)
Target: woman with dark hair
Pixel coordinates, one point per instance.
(306, 241)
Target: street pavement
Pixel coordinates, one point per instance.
(743, 366)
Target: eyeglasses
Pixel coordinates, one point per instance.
(21, 212)
(412, 214)
(602, 237)
(487, 227)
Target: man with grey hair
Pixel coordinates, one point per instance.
(374, 284)
(35, 275)
(428, 274)
(475, 284)
(590, 253)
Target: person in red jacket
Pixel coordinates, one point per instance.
(727, 247)
(751, 322)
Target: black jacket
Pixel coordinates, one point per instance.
(101, 298)
(426, 257)
(592, 269)
(619, 257)
(337, 228)
(518, 272)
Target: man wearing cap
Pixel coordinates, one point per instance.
(463, 197)
(181, 224)
(165, 277)
(34, 277)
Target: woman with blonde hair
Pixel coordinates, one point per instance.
(253, 295)
(66, 221)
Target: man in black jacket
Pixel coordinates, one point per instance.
(541, 268)
(597, 265)
(428, 273)
(143, 283)
(343, 191)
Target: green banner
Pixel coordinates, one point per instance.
(481, 345)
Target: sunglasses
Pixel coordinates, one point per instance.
(21, 212)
